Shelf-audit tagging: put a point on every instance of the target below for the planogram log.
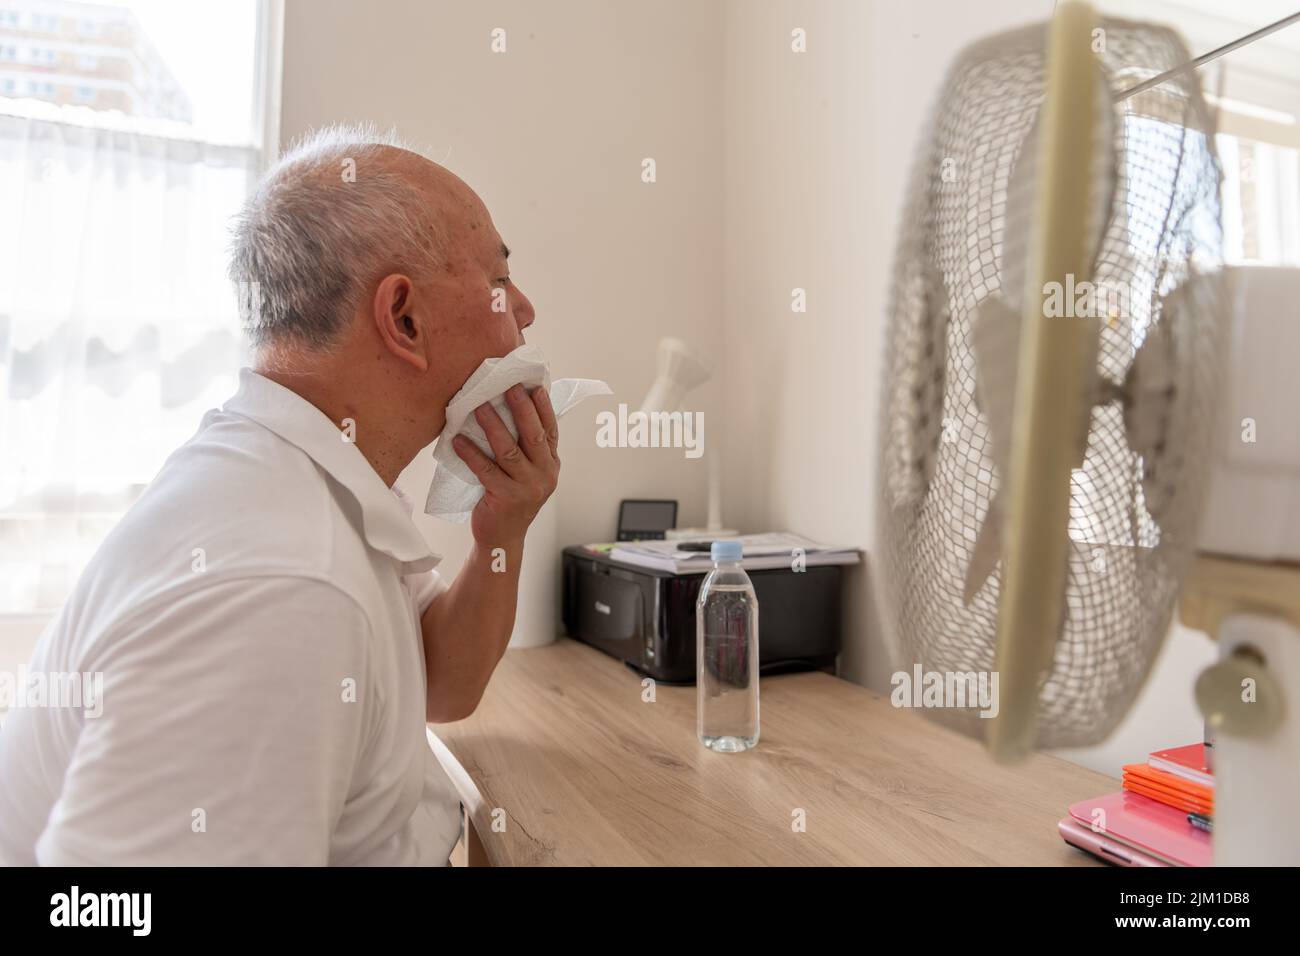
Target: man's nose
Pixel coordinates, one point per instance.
(524, 313)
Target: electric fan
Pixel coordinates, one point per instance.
(1056, 334)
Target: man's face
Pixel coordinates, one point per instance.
(480, 313)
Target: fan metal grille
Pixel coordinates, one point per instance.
(1133, 509)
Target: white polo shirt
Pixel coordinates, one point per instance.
(256, 620)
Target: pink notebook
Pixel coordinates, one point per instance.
(1146, 825)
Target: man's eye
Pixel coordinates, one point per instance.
(503, 280)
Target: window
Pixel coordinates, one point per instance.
(1261, 201)
(1259, 154)
(118, 327)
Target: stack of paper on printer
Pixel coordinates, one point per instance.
(775, 549)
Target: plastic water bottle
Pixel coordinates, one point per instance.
(726, 654)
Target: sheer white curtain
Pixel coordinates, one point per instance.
(118, 329)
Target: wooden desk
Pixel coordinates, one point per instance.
(586, 772)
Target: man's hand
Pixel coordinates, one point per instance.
(524, 474)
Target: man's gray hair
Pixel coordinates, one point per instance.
(331, 217)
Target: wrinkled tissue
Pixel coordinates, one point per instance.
(455, 490)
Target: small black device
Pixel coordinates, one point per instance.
(645, 520)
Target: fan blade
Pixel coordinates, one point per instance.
(987, 552)
(995, 343)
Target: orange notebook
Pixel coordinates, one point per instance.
(1169, 798)
(1168, 788)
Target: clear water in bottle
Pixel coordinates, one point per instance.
(726, 654)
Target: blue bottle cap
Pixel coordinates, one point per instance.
(726, 551)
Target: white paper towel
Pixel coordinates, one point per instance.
(455, 490)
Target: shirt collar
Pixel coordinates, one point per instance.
(385, 512)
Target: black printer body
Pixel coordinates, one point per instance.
(646, 617)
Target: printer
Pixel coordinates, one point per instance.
(645, 617)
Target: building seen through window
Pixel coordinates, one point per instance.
(87, 54)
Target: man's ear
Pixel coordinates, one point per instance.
(394, 315)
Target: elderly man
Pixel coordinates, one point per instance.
(270, 630)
